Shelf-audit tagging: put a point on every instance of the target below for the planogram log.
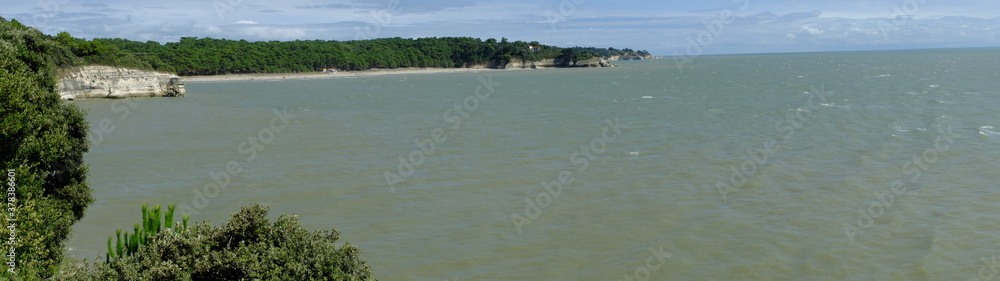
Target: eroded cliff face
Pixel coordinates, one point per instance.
(594, 62)
(630, 57)
(115, 82)
(547, 63)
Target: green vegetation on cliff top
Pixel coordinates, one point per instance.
(207, 56)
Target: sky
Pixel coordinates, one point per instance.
(663, 27)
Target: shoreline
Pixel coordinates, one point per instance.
(327, 75)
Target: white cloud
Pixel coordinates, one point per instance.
(810, 30)
(246, 22)
(270, 33)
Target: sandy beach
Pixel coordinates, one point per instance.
(326, 75)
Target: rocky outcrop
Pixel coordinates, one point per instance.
(522, 64)
(594, 62)
(630, 57)
(547, 63)
(115, 82)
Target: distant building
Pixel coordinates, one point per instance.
(175, 87)
(533, 48)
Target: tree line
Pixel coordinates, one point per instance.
(208, 56)
(609, 52)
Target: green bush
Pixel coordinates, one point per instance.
(248, 247)
(43, 140)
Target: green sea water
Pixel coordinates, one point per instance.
(818, 166)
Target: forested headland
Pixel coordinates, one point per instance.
(208, 56)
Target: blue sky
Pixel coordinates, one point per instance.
(663, 27)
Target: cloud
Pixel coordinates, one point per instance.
(270, 33)
(410, 7)
(770, 17)
(661, 27)
(810, 30)
(93, 5)
(762, 17)
(800, 16)
(327, 6)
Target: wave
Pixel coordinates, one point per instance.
(987, 131)
(835, 105)
(899, 128)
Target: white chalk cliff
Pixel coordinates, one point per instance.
(116, 82)
(546, 63)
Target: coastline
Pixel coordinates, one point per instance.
(327, 75)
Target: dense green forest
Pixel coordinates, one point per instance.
(207, 56)
(609, 52)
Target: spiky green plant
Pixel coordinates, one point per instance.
(111, 251)
(121, 243)
(169, 217)
(129, 243)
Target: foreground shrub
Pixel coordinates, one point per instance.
(248, 247)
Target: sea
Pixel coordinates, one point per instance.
(878, 165)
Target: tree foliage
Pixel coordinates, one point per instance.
(207, 56)
(43, 141)
(609, 52)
